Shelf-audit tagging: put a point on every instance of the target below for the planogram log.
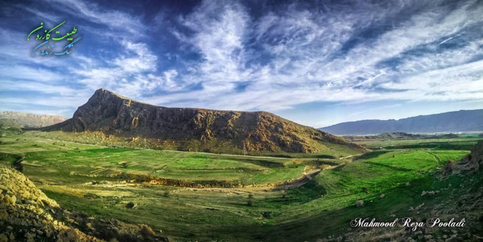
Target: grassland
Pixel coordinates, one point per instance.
(202, 196)
(462, 142)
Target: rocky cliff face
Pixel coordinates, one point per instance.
(469, 164)
(249, 131)
(30, 120)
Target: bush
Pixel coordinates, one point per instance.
(250, 200)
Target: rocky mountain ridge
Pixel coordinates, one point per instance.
(207, 129)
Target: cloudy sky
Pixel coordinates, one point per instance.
(317, 63)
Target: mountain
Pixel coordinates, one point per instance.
(28, 120)
(458, 121)
(208, 130)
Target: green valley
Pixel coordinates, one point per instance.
(189, 196)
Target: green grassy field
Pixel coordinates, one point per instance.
(201, 196)
(463, 142)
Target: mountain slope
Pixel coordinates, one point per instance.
(458, 121)
(233, 131)
(28, 120)
(27, 214)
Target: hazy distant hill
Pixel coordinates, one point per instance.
(398, 136)
(208, 129)
(28, 120)
(458, 121)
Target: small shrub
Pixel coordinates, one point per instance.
(250, 200)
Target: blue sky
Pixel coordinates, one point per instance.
(314, 62)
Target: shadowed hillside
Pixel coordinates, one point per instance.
(207, 129)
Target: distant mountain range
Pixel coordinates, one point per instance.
(398, 136)
(28, 120)
(199, 129)
(457, 121)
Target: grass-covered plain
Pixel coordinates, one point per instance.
(462, 142)
(230, 197)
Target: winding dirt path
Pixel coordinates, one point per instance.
(299, 182)
(435, 157)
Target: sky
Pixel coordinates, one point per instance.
(317, 63)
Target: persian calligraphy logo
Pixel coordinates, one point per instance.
(47, 48)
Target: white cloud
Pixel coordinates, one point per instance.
(292, 54)
(28, 73)
(305, 61)
(457, 82)
(219, 35)
(130, 74)
(53, 101)
(141, 59)
(21, 86)
(116, 20)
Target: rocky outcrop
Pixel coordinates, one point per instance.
(243, 131)
(109, 229)
(470, 163)
(27, 214)
(29, 120)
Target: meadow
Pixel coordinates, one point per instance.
(202, 196)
